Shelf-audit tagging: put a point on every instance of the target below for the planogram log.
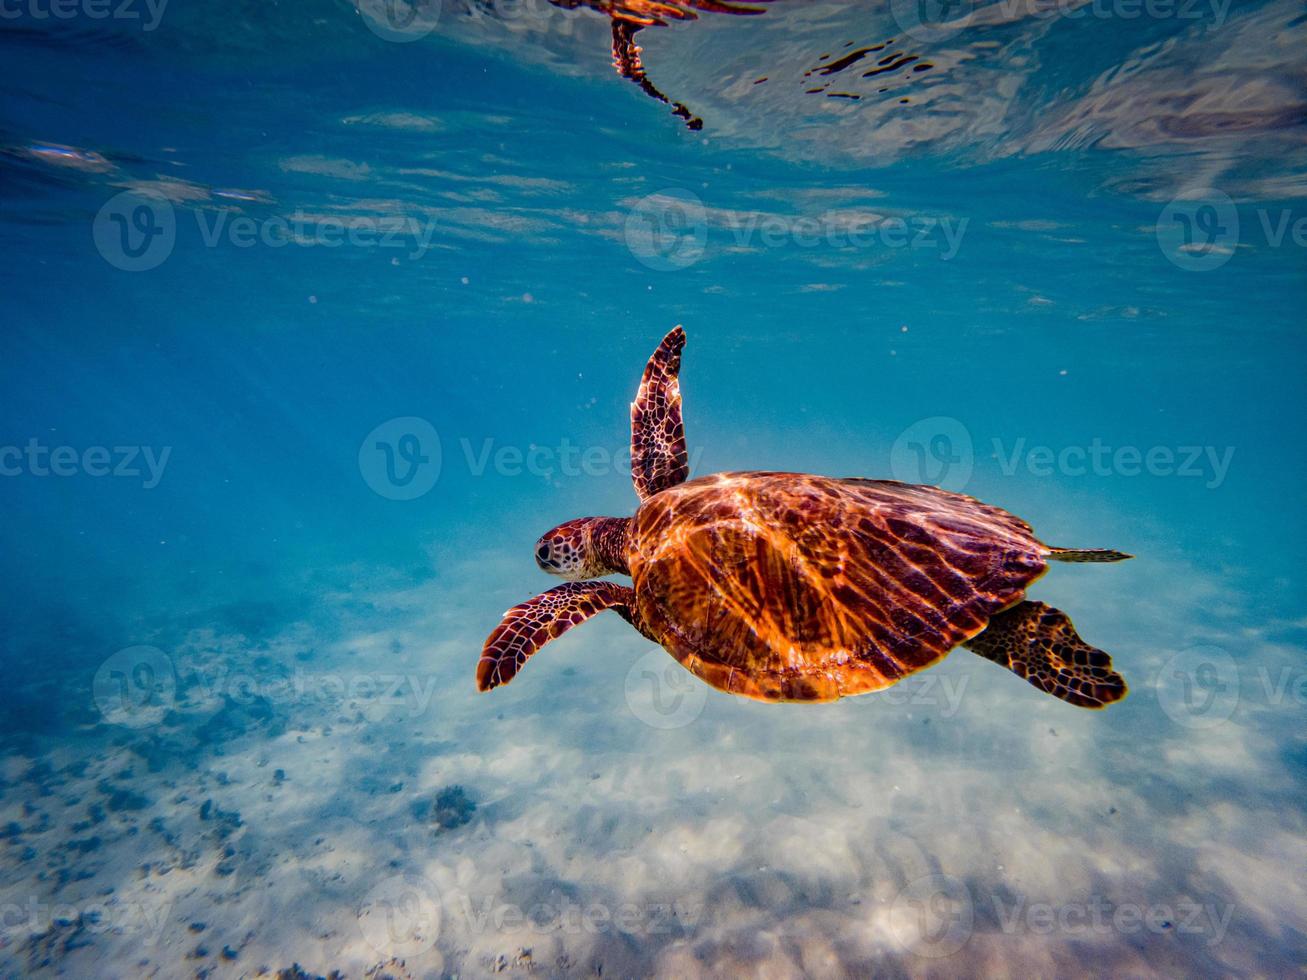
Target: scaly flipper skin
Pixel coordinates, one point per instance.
(1038, 642)
(529, 626)
(658, 456)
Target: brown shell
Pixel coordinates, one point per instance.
(789, 587)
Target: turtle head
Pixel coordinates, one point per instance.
(584, 548)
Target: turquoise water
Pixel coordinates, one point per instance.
(316, 316)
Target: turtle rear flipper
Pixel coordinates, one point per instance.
(1038, 642)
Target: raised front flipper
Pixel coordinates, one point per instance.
(1038, 642)
(529, 626)
(658, 456)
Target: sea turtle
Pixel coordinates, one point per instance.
(791, 587)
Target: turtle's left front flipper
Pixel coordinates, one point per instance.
(529, 626)
(1038, 642)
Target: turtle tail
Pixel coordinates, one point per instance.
(1090, 554)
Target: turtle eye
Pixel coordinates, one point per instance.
(542, 553)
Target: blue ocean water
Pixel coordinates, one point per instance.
(317, 315)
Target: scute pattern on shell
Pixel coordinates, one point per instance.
(785, 586)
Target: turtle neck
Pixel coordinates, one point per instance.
(608, 538)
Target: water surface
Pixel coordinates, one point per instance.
(246, 243)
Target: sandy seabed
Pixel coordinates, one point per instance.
(326, 792)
